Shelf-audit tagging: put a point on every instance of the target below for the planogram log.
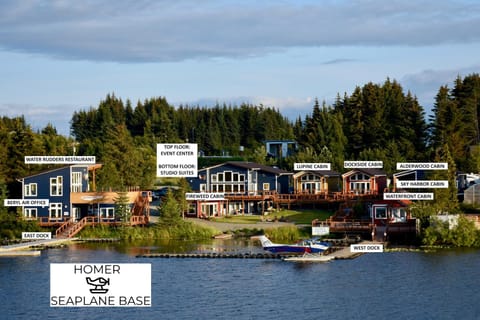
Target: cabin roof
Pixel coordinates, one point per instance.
(323, 173)
(371, 172)
(90, 167)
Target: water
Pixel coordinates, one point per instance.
(441, 285)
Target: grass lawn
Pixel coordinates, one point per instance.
(296, 216)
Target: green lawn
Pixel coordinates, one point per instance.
(296, 216)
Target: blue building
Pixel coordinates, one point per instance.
(248, 188)
(72, 196)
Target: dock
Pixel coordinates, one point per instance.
(226, 255)
(343, 253)
(337, 253)
(20, 253)
(24, 247)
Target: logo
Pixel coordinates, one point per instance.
(100, 285)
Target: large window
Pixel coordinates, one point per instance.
(56, 186)
(360, 187)
(31, 190)
(359, 177)
(107, 213)
(227, 181)
(76, 182)
(55, 210)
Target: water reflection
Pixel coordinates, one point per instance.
(135, 248)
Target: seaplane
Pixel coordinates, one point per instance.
(310, 246)
(98, 284)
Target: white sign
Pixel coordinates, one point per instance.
(205, 196)
(311, 166)
(25, 202)
(408, 196)
(362, 164)
(320, 231)
(422, 165)
(36, 235)
(177, 160)
(60, 159)
(422, 184)
(100, 285)
(371, 247)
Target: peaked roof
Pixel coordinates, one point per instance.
(323, 173)
(370, 172)
(89, 167)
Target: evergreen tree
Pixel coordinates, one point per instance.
(170, 211)
(122, 208)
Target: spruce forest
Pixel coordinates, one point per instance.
(374, 122)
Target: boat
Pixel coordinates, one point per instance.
(310, 258)
(302, 247)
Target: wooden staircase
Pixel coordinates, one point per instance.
(70, 228)
(141, 210)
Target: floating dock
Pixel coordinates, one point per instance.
(336, 254)
(20, 253)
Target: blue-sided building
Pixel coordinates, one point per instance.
(248, 188)
(72, 197)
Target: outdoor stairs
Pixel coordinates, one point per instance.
(70, 228)
(140, 210)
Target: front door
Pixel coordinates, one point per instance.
(76, 213)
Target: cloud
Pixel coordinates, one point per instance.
(38, 117)
(166, 31)
(338, 61)
(426, 83)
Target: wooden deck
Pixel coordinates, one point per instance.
(289, 200)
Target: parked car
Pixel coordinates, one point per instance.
(160, 193)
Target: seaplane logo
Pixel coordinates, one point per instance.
(98, 284)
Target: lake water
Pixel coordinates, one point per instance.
(400, 285)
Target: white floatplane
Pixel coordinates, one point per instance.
(302, 247)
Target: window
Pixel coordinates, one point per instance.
(266, 186)
(108, 213)
(214, 178)
(31, 190)
(359, 177)
(56, 186)
(30, 213)
(55, 210)
(76, 182)
(381, 213)
(399, 214)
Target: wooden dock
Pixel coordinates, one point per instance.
(20, 253)
(25, 246)
(343, 253)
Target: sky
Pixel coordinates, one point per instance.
(61, 56)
